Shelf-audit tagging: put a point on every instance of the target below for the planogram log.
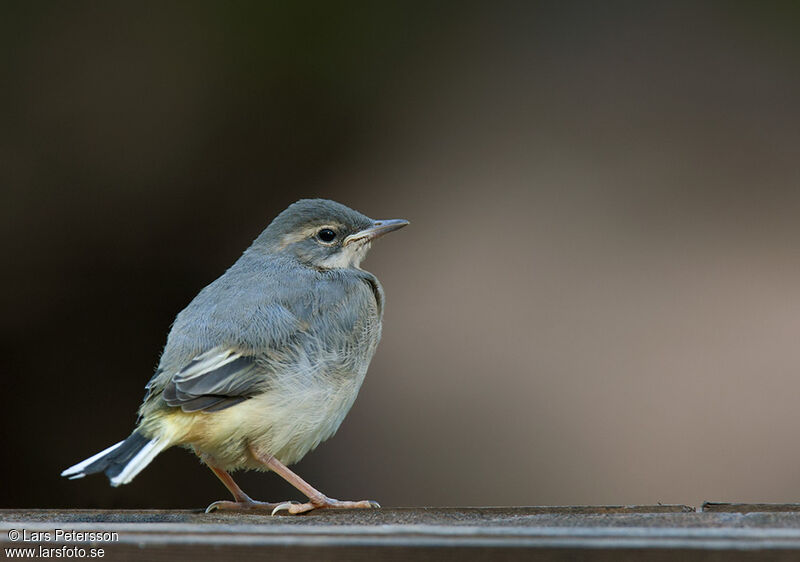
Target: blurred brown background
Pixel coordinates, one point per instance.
(598, 300)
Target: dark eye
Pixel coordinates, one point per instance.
(326, 235)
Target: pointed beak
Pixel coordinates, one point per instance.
(378, 229)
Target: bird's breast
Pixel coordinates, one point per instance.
(309, 386)
(302, 405)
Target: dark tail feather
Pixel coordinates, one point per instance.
(120, 462)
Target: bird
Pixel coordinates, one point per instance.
(266, 361)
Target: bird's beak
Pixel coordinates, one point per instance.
(378, 229)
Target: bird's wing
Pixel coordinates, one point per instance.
(217, 379)
(249, 345)
(234, 369)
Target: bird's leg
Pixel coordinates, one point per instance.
(317, 500)
(242, 502)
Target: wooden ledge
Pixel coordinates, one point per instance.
(721, 507)
(715, 532)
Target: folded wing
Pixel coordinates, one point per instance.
(215, 380)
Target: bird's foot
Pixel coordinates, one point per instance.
(246, 505)
(323, 502)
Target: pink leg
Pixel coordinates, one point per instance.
(242, 502)
(317, 500)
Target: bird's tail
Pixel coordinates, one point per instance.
(121, 462)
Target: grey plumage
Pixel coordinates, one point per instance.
(271, 355)
(274, 323)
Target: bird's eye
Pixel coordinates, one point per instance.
(326, 235)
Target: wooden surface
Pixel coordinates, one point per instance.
(663, 532)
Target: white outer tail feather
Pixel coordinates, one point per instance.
(76, 471)
(140, 461)
(133, 467)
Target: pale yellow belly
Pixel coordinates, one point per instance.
(287, 422)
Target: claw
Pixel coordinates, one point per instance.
(294, 508)
(281, 506)
(212, 507)
(248, 505)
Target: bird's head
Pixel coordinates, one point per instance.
(324, 234)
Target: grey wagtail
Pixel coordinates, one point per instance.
(266, 361)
